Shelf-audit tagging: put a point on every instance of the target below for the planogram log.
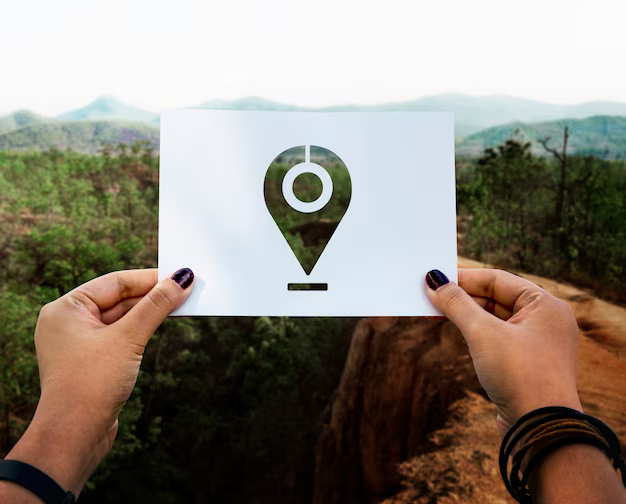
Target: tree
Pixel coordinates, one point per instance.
(504, 197)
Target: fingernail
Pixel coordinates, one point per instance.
(435, 279)
(183, 277)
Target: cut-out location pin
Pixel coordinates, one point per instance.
(307, 191)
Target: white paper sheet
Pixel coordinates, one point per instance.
(400, 222)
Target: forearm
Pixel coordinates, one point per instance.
(579, 474)
(57, 447)
(52, 454)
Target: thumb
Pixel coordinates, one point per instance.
(454, 303)
(147, 315)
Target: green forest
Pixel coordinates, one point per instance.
(558, 216)
(229, 409)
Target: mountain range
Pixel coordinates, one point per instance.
(476, 112)
(480, 121)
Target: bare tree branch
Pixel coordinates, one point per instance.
(544, 142)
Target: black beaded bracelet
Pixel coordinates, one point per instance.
(553, 426)
(36, 481)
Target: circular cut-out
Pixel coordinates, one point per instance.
(307, 187)
(302, 206)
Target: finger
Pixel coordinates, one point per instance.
(490, 306)
(119, 310)
(506, 289)
(148, 314)
(454, 303)
(108, 290)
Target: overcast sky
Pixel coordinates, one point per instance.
(61, 54)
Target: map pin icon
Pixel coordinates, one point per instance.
(307, 191)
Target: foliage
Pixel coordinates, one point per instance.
(509, 200)
(19, 385)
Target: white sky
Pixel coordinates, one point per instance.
(56, 55)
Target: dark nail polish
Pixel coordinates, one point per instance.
(183, 277)
(435, 279)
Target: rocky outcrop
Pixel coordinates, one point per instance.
(462, 464)
(401, 376)
(410, 422)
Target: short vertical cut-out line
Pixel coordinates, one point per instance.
(307, 153)
(307, 286)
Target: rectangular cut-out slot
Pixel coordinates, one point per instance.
(307, 286)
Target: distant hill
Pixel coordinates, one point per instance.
(472, 113)
(20, 119)
(82, 136)
(484, 111)
(262, 104)
(479, 121)
(250, 103)
(600, 136)
(109, 108)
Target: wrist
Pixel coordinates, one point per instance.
(540, 439)
(521, 405)
(62, 447)
(547, 397)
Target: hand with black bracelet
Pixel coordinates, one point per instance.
(524, 345)
(89, 344)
